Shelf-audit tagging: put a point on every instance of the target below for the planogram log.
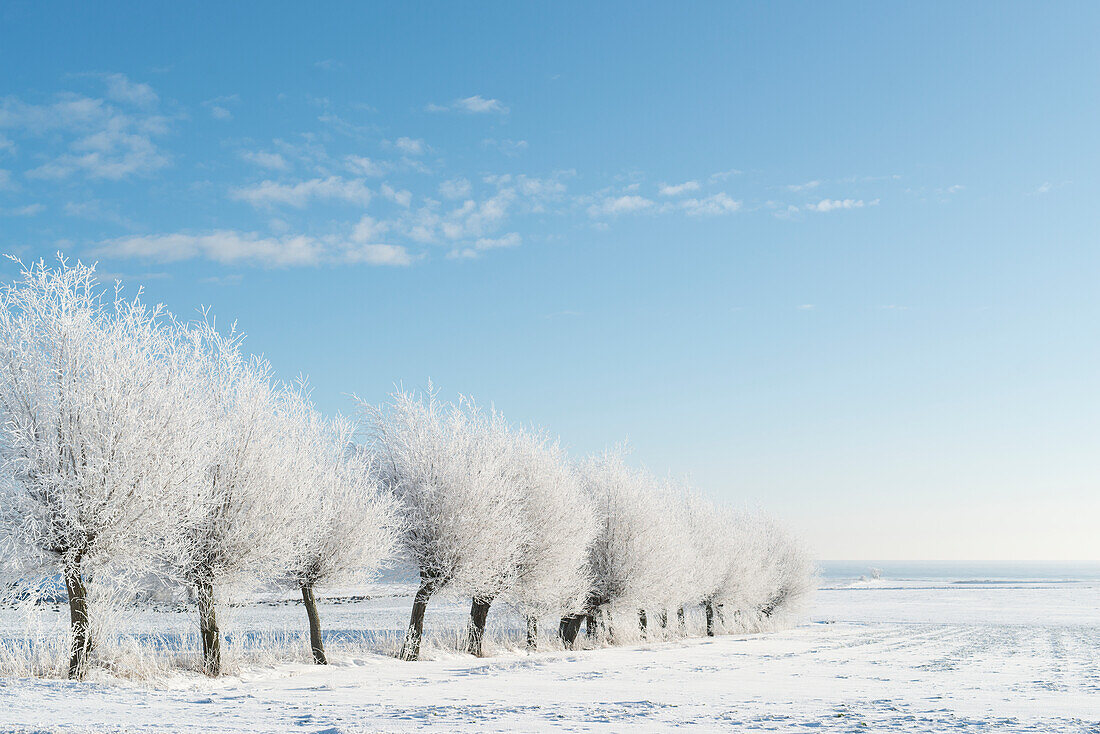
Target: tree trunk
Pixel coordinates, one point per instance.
(208, 630)
(681, 618)
(315, 642)
(78, 622)
(642, 622)
(708, 608)
(569, 628)
(475, 631)
(590, 625)
(410, 650)
(532, 633)
(662, 619)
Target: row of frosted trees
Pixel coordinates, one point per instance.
(137, 449)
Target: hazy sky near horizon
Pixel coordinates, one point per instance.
(837, 260)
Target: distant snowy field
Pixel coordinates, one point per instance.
(963, 653)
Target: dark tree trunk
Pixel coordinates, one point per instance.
(708, 608)
(642, 622)
(410, 650)
(208, 630)
(78, 622)
(532, 633)
(720, 610)
(590, 624)
(569, 628)
(681, 618)
(475, 631)
(315, 642)
(662, 619)
(774, 603)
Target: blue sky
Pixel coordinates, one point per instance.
(835, 260)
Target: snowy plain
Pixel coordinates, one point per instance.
(941, 653)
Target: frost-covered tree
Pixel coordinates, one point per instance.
(233, 520)
(346, 526)
(91, 430)
(560, 525)
(790, 574)
(627, 561)
(463, 525)
(681, 549)
(768, 575)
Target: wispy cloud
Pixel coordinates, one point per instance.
(722, 175)
(720, 203)
(829, 205)
(96, 210)
(616, 205)
(455, 188)
(121, 89)
(265, 159)
(803, 186)
(298, 195)
(366, 166)
(678, 189)
(225, 280)
(329, 64)
(101, 140)
(507, 146)
(219, 106)
(28, 210)
(482, 244)
(472, 105)
(411, 146)
(232, 247)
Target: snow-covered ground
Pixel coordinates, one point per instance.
(876, 655)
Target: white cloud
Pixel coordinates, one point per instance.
(96, 210)
(456, 188)
(29, 210)
(806, 307)
(333, 188)
(265, 159)
(373, 254)
(234, 279)
(232, 247)
(224, 246)
(111, 154)
(1044, 188)
(369, 230)
(720, 203)
(219, 106)
(400, 197)
(828, 205)
(121, 89)
(507, 146)
(365, 166)
(6, 182)
(615, 205)
(512, 239)
(677, 189)
(412, 146)
(722, 175)
(804, 186)
(472, 105)
(103, 142)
